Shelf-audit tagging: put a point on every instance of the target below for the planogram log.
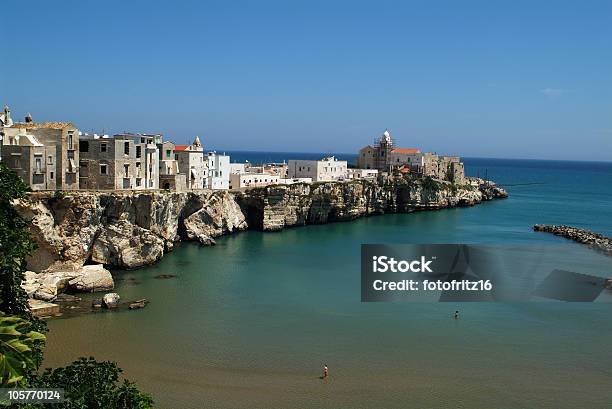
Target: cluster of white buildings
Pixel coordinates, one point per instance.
(56, 156)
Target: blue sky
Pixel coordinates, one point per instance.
(525, 79)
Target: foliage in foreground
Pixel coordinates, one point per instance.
(89, 384)
(18, 350)
(15, 245)
(22, 346)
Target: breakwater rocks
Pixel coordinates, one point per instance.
(596, 241)
(136, 228)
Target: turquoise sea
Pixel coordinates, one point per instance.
(249, 322)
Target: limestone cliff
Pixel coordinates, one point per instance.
(276, 207)
(133, 229)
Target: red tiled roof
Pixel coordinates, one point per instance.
(404, 170)
(181, 147)
(405, 150)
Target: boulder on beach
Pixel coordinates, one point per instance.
(92, 278)
(46, 286)
(111, 300)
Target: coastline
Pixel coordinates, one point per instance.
(134, 229)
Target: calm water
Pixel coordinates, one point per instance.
(249, 322)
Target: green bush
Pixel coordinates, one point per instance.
(89, 384)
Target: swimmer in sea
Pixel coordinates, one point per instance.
(456, 315)
(325, 371)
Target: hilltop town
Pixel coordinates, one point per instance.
(52, 156)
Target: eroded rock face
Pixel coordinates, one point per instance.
(123, 229)
(136, 228)
(276, 207)
(127, 245)
(217, 215)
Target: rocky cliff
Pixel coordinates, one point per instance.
(133, 229)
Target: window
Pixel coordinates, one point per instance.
(51, 175)
(168, 153)
(104, 169)
(70, 144)
(138, 182)
(142, 140)
(126, 148)
(138, 151)
(176, 156)
(50, 160)
(84, 146)
(103, 147)
(38, 165)
(126, 168)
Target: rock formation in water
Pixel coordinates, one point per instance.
(136, 228)
(596, 241)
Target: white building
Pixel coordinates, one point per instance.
(242, 180)
(192, 163)
(218, 171)
(326, 169)
(362, 173)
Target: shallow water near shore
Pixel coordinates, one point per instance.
(250, 322)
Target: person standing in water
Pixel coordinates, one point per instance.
(325, 372)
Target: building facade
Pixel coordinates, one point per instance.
(383, 155)
(169, 176)
(246, 180)
(218, 171)
(33, 162)
(326, 169)
(120, 162)
(192, 163)
(62, 136)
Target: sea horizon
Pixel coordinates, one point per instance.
(346, 155)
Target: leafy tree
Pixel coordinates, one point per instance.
(89, 384)
(19, 345)
(15, 245)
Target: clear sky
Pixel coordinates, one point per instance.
(523, 79)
